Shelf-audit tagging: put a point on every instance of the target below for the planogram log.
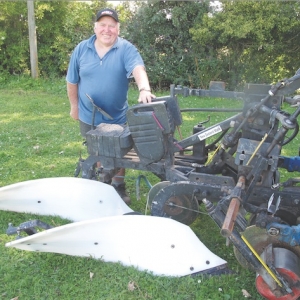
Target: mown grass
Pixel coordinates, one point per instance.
(38, 139)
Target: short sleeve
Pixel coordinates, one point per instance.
(132, 59)
(73, 69)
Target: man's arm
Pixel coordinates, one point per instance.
(72, 90)
(141, 79)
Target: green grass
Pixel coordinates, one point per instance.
(38, 139)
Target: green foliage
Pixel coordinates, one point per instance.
(253, 41)
(160, 30)
(14, 46)
(51, 43)
(182, 42)
(60, 26)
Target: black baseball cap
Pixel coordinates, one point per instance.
(107, 12)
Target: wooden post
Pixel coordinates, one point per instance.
(32, 39)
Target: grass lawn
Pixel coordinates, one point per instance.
(38, 139)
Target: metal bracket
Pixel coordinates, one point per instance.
(27, 227)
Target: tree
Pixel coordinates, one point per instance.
(32, 39)
(60, 26)
(160, 30)
(14, 48)
(182, 42)
(254, 41)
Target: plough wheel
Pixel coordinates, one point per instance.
(175, 202)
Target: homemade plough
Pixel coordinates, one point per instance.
(235, 176)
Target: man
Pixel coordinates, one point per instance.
(98, 76)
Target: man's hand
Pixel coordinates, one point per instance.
(146, 96)
(72, 90)
(141, 79)
(74, 112)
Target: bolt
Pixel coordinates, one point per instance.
(277, 293)
(273, 231)
(242, 156)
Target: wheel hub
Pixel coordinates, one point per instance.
(175, 201)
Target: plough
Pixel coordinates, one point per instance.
(234, 177)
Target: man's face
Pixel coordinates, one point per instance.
(107, 30)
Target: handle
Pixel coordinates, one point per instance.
(233, 209)
(230, 218)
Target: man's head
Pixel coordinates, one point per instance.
(107, 27)
(107, 12)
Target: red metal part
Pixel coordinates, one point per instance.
(291, 277)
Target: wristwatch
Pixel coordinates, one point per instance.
(144, 89)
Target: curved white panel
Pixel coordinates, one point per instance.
(72, 198)
(159, 245)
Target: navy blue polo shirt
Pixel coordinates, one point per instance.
(105, 79)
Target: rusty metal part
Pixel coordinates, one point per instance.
(182, 208)
(175, 201)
